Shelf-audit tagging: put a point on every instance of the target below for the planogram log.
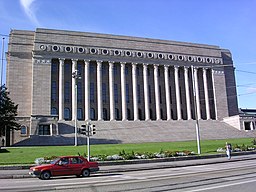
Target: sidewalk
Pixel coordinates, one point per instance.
(17, 172)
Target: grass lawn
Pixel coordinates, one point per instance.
(27, 155)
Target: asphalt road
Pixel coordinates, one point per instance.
(220, 176)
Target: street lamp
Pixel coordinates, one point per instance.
(76, 76)
(195, 108)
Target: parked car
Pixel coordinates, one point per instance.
(66, 165)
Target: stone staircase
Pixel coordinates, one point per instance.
(140, 132)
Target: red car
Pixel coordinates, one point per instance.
(66, 165)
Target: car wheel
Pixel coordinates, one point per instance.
(45, 175)
(86, 173)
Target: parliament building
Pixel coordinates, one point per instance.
(152, 89)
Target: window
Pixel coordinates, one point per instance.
(116, 93)
(138, 93)
(67, 67)
(115, 70)
(104, 69)
(79, 68)
(54, 91)
(76, 160)
(23, 130)
(79, 92)
(92, 114)
(67, 113)
(54, 111)
(117, 113)
(91, 69)
(104, 93)
(67, 92)
(127, 93)
(126, 70)
(105, 114)
(138, 71)
(92, 92)
(79, 113)
(54, 67)
(128, 114)
(149, 93)
(160, 93)
(44, 130)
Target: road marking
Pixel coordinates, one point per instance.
(222, 186)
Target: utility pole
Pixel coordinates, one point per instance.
(195, 109)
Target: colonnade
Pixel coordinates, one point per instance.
(187, 84)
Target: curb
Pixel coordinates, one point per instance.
(144, 161)
(141, 161)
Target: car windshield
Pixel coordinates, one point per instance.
(55, 160)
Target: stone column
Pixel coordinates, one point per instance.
(134, 91)
(207, 106)
(214, 93)
(74, 97)
(61, 89)
(111, 92)
(187, 93)
(99, 89)
(123, 91)
(86, 90)
(157, 95)
(167, 92)
(197, 94)
(146, 97)
(177, 91)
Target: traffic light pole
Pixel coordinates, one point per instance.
(88, 148)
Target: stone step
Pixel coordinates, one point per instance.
(142, 131)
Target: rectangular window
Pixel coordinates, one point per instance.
(92, 92)
(127, 93)
(170, 94)
(104, 93)
(67, 67)
(79, 92)
(138, 71)
(104, 69)
(149, 93)
(44, 130)
(138, 93)
(67, 92)
(23, 130)
(126, 70)
(54, 68)
(115, 70)
(91, 69)
(160, 94)
(54, 91)
(80, 68)
(116, 93)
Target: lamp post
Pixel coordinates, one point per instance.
(76, 76)
(2, 62)
(195, 108)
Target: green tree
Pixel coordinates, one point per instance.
(8, 112)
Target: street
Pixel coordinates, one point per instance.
(226, 176)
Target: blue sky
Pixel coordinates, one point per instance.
(230, 24)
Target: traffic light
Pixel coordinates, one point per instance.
(84, 130)
(93, 130)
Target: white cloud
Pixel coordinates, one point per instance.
(29, 10)
(251, 90)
